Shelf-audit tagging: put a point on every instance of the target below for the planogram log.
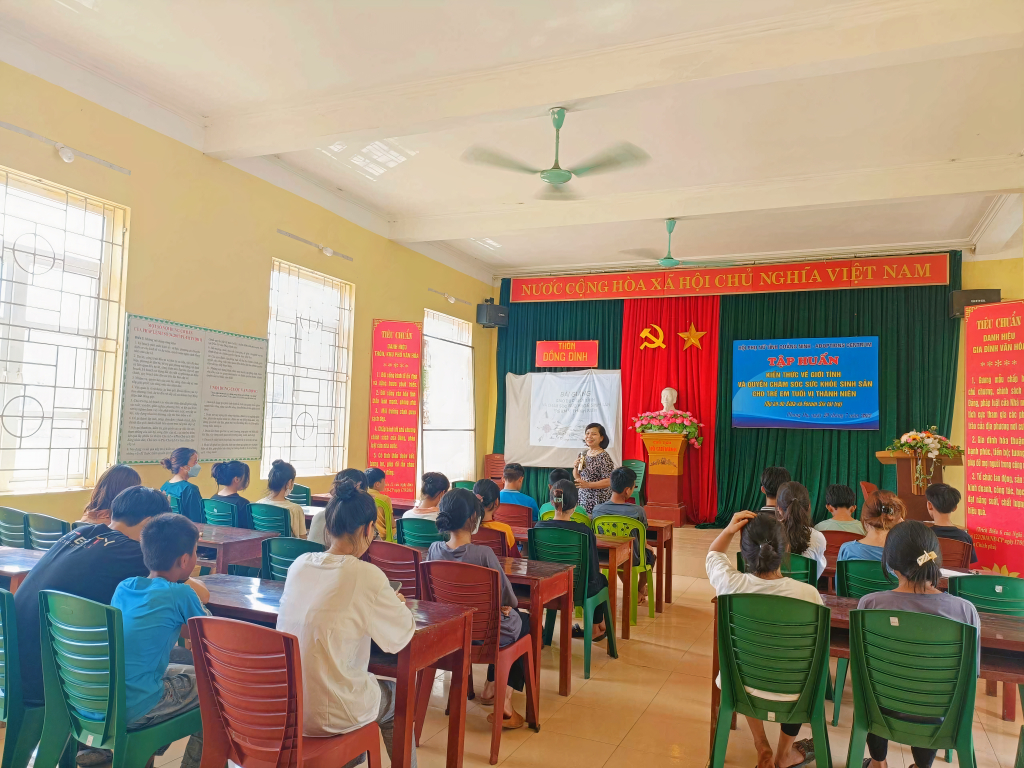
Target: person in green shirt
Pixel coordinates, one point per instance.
(376, 481)
(841, 503)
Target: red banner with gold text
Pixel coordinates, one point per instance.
(395, 403)
(994, 458)
(881, 272)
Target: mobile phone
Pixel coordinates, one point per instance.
(395, 585)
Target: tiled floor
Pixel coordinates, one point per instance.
(650, 707)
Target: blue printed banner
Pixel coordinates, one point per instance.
(806, 383)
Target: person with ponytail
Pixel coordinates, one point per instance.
(490, 499)
(318, 525)
(763, 544)
(232, 477)
(793, 509)
(912, 552)
(883, 510)
(335, 604)
(183, 463)
(280, 482)
(459, 515)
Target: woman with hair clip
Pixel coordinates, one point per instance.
(763, 544)
(793, 509)
(183, 463)
(912, 552)
(318, 525)
(280, 482)
(883, 510)
(335, 604)
(459, 515)
(232, 477)
(111, 483)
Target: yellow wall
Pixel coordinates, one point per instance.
(202, 238)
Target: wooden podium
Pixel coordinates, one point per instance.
(665, 452)
(907, 487)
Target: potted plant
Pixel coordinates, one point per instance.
(675, 422)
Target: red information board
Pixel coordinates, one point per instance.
(994, 458)
(566, 354)
(395, 403)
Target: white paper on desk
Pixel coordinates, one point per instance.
(950, 574)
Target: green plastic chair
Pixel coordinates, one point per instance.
(991, 594)
(618, 525)
(579, 515)
(84, 640)
(773, 645)
(43, 531)
(856, 578)
(12, 528)
(300, 494)
(278, 554)
(557, 545)
(220, 513)
(1019, 760)
(467, 484)
(914, 678)
(796, 567)
(417, 532)
(640, 468)
(269, 517)
(175, 503)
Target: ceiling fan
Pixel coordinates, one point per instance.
(668, 261)
(614, 158)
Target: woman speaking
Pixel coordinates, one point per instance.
(593, 469)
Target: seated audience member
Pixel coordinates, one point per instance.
(793, 509)
(912, 552)
(487, 491)
(433, 486)
(553, 477)
(155, 610)
(376, 481)
(841, 503)
(183, 463)
(111, 483)
(882, 511)
(280, 482)
(460, 515)
(942, 501)
(318, 525)
(596, 580)
(763, 545)
(335, 604)
(771, 480)
(232, 477)
(622, 487)
(513, 476)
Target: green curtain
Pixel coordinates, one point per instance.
(530, 322)
(917, 365)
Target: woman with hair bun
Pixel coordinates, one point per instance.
(763, 544)
(793, 509)
(318, 525)
(183, 463)
(433, 486)
(459, 515)
(232, 477)
(280, 482)
(111, 483)
(335, 604)
(883, 510)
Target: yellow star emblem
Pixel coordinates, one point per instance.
(692, 336)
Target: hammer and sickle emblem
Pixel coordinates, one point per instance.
(654, 340)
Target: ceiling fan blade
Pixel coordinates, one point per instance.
(496, 159)
(555, 192)
(612, 159)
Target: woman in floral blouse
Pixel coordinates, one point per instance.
(593, 469)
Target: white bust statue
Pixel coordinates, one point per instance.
(668, 399)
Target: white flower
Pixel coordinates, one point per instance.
(933, 454)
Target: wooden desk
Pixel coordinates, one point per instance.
(233, 545)
(442, 632)
(661, 532)
(397, 504)
(15, 563)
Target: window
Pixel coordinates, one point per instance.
(308, 369)
(61, 292)
(449, 412)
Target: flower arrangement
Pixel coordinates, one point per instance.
(676, 422)
(928, 444)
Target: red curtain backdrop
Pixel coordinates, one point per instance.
(692, 372)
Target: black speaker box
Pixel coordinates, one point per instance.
(492, 315)
(960, 299)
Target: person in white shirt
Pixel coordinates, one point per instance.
(793, 509)
(763, 544)
(280, 482)
(335, 603)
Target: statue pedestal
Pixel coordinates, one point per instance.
(665, 452)
(907, 488)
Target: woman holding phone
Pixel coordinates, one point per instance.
(593, 469)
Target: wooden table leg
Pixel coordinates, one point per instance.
(16, 581)
(405, 709)
(613, 582)
(659, 569)
(1009, 702)
(991, 687)
(627, 592)
(669, 546)
(460, 681)
(222, 557)
(565, 644)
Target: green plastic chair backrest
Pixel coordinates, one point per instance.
(12, 527)
(269, 517)
(558, 545)
(279, 552)
(991, 594)
(640, 468)
(619, 525)
(856, 578)
(10, 665)
(43, 531)
(914, 676)
(220, 513)
(1018, 761)
(84, 641)
(174, 501)
(300, 495)
(776, 645)
(467, 484)
(418, 532)
(796, 567)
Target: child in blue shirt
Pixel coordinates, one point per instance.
(510, 494)
(154, 611)
(882, 511)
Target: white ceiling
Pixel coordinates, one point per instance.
(774, 128)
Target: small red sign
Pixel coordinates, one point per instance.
(566, 354)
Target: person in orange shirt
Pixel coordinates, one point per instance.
(489, 494)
